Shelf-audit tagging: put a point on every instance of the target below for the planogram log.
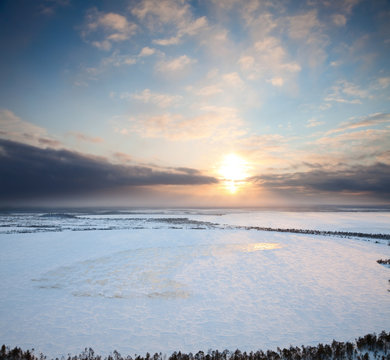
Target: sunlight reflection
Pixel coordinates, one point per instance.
(260, 247)
(245, 248)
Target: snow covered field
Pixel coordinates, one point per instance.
(189, 282)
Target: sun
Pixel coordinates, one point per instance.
(233, 171)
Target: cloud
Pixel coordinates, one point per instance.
(213, 122)
(108, 28)
(168, 41)
(189, 29)
(228, 85)
(347, 5)
(341, 6)
(373, 180)
(14, 128)
(116, 59)
(159, 12)
(247, 62)
(169, 16)
(348, 93)
(148, 97)
(123, 157)
(146, 51)
(307, 32)
(384, 82)
(32, 172)
(276, 81)
(363, 146)
(313, 122)
(358, 139)
(339, 19)
(268, 59)
(262, 144)
(209, 90)
(49, 7)
(225, 4)
(301, 26)
(233, 80)
(86, 138)
(175, 65)
(366, 121)
(261, 25)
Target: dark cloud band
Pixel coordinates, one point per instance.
(28, 171)
(373, 179)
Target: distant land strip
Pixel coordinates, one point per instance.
(319, 232)
(176, 223)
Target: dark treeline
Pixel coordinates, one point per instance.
(370, 346)
(320, 232)
(383, 262)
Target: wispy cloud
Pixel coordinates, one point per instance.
(308, 33)
(148, 97)
(89, 74)
(339, 19)
(313, 122)
(169, 16)
(214, 123)
(346, 92)
(226, 85)
(383, 82)
(362, 146)
(14, 128)
(83, 137)
(267, 143)
(50, 7)
(367, 121)
(268, 59)
(104, 29)
(176, 65)
(302, 25)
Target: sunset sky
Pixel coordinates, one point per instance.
(194, 103)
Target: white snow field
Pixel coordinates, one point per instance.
(155, 288)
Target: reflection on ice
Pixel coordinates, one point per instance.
(260, 247)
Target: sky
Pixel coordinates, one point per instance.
(194, 103)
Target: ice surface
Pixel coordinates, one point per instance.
(164, 285)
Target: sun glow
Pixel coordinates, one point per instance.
(233, 171)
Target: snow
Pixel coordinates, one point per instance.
(162, 290)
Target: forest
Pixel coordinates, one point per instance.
(370, 346)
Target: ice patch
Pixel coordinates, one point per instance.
(145, 272)
(128, 274)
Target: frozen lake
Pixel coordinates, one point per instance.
(161, 286)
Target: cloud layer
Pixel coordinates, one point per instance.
(32, 172)
(372, 180)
